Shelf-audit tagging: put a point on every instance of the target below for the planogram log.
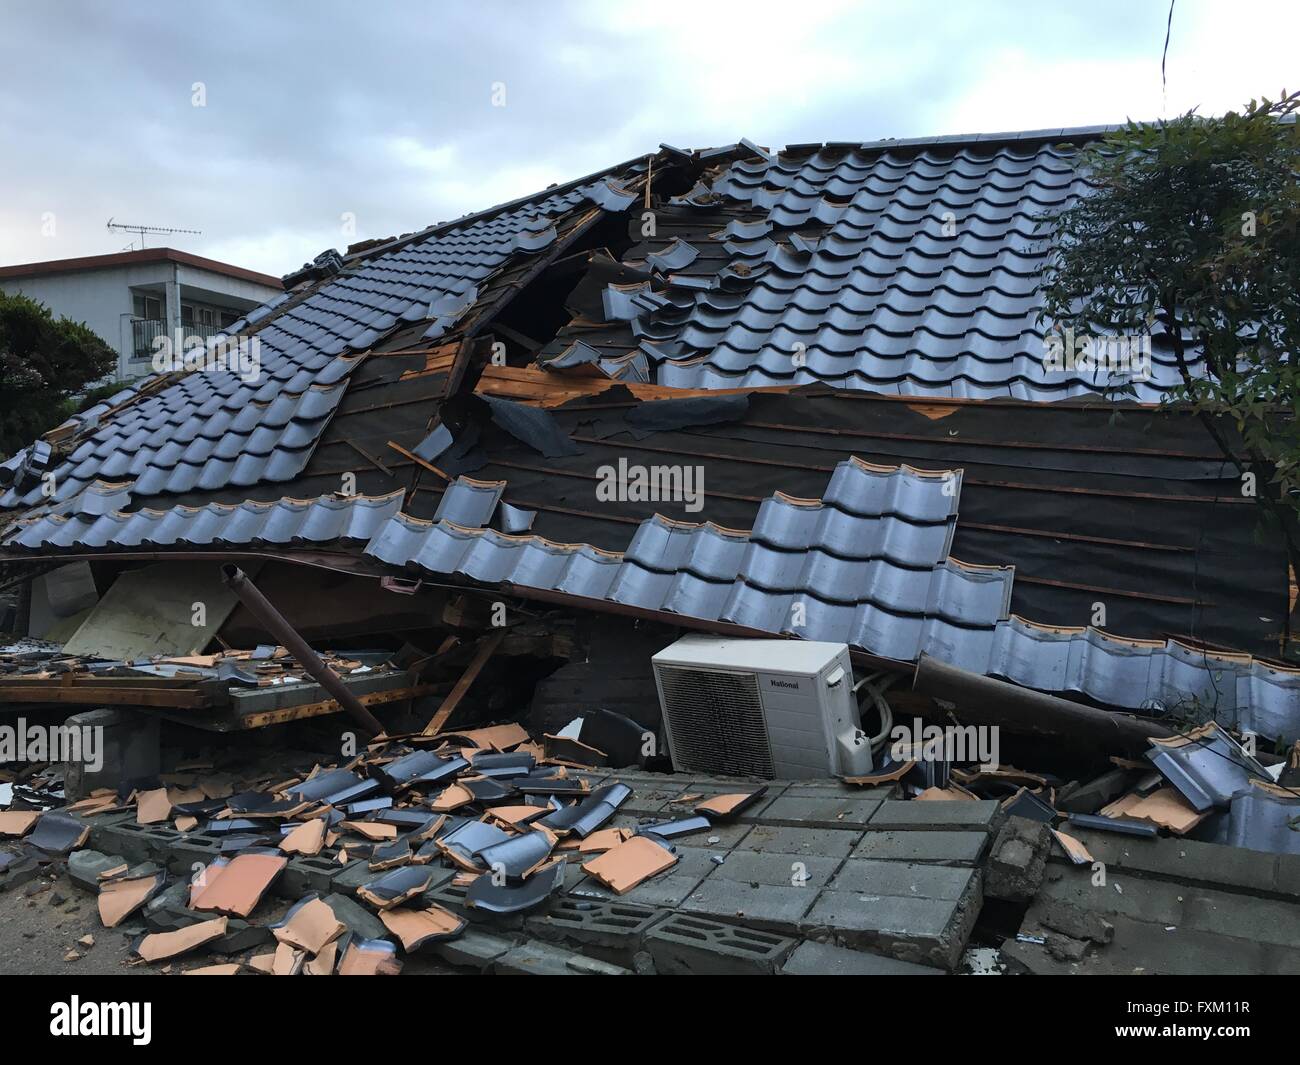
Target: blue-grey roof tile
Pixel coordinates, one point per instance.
(470, 503)
(922, 277)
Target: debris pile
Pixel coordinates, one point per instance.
(492, 472)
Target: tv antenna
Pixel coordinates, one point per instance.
(122, 227)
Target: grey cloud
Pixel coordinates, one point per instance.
(384, 109)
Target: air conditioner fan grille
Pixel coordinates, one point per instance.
(716, 721)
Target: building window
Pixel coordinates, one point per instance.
(148, 307)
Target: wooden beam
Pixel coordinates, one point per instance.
(262, 718)
(418, 461)
(85, 694)
(485, 651)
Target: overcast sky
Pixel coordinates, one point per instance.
(385, 111)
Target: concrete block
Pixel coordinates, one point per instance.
(452, 897)
(23, 869)
(183, 854)
(612, 930)
(353, 875)
(161, 841)
(938, 848)
(954, 815)
(801, 842)
(1064, 948)
(825, 959)
(167, 911)
(1074, 921)
(1092, 795)
(307, 873)
(685, 944)
(1017, 860)
(475, 948)
(535, 958)
(84, 867)
(358, 919)
(823, 811)
(128, 745)
(241, 936)
(119, 834)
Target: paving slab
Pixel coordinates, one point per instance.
(938, 847)
(916, 912)
(726, 834)
(817, 842)
(708, 789)
(1145, 949)
(936, 815)
(819, 811)
(1191, 861)
(825, 959)
(926, 931)
(650, 791)
(833, 785)
(777, 870)
(777, 908)
(1169, 904)
(914, 880)
(667, 890)
(697, 861)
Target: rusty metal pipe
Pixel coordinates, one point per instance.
(273, 621)
(997, 702)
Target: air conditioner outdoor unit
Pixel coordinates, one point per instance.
(781, 709)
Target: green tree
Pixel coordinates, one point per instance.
(44, 363)
(1192, 226)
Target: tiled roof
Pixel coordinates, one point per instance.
(892, 591)
(896, 269)
(829, 588)
(329, 519)
(211, 430)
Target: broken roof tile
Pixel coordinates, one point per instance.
(236, 887)
(623, 867)
(417, 928)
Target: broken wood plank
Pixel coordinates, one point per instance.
(486, 649)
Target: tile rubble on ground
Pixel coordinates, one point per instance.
(477, 848)
(564, 868)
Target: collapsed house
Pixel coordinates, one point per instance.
(798, 395)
